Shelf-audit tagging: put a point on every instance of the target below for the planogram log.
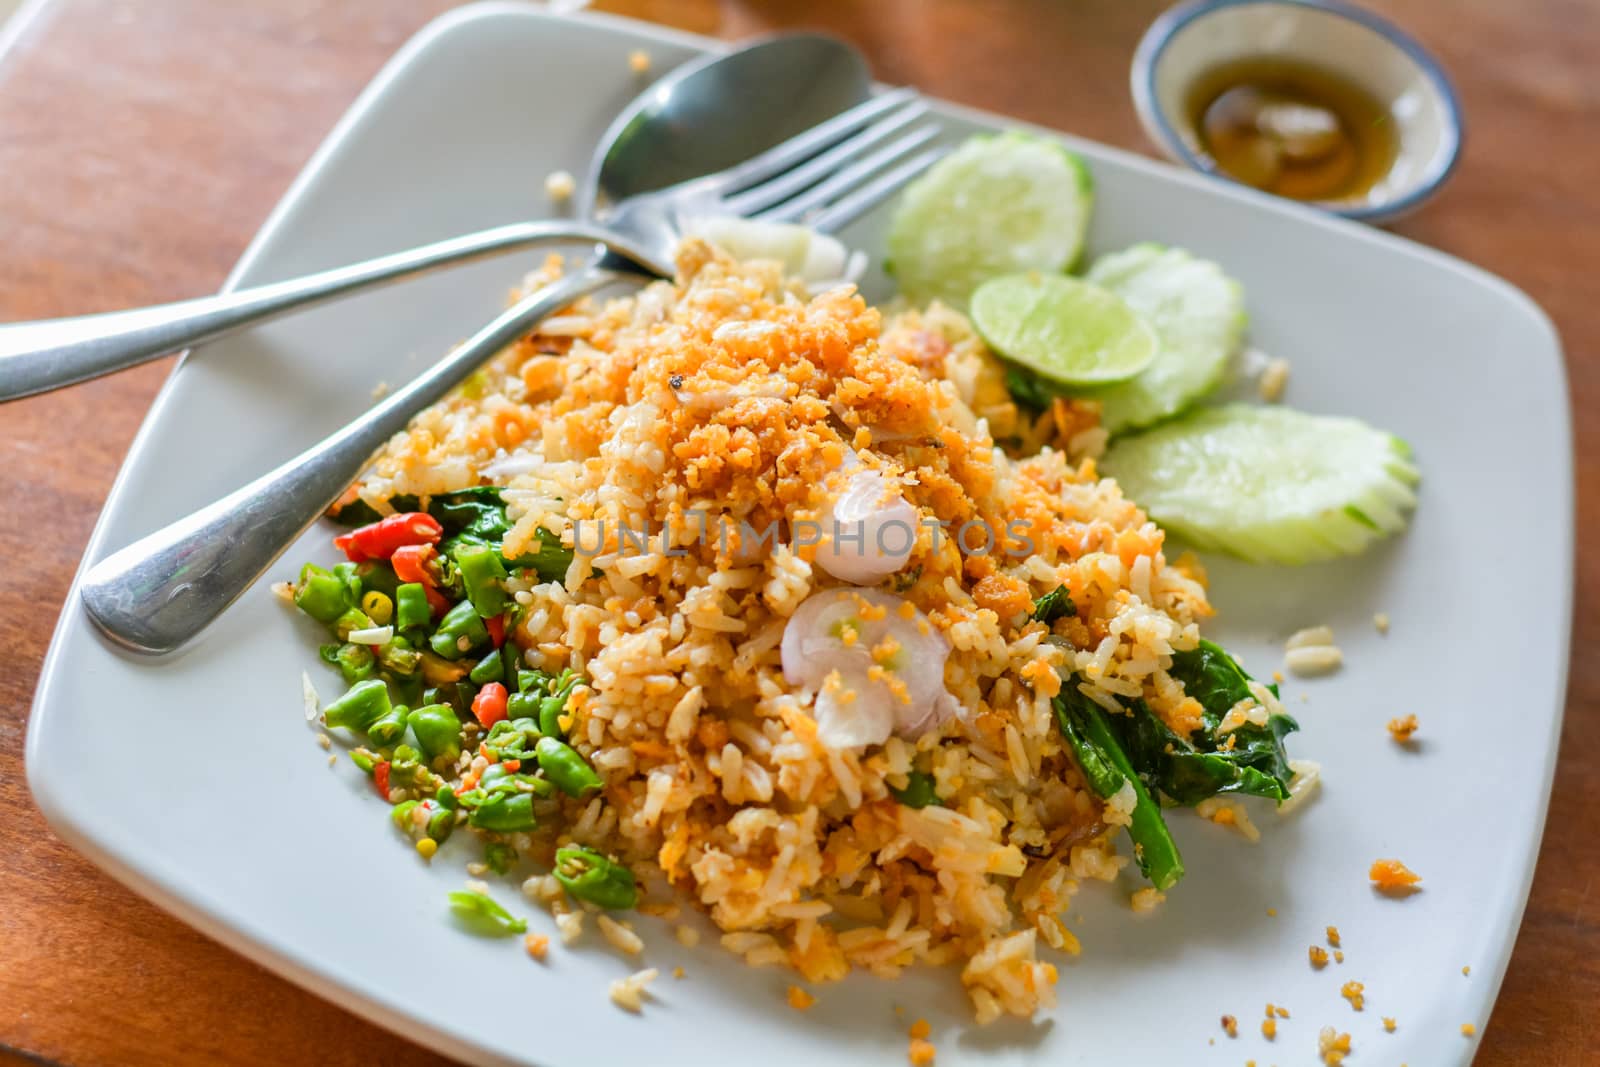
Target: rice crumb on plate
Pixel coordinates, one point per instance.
(629, 993)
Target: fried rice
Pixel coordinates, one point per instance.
(723, 400)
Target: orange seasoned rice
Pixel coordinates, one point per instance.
(732, 393)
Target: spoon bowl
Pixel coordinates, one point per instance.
(712, 113)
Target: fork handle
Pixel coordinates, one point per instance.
(163, 589)
(39, 356)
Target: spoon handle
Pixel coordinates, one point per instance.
(39, 356)
(163, 589)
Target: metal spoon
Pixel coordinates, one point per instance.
(677, 130)
(159, 592)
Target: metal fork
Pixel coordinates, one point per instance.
(161, 591)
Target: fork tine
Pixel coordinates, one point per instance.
(803, 146)
(765, 194)
(849, 178)
(850, 207)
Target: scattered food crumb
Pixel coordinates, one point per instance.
(538, 946)
(1273, 380)
(1311, 652)
(285, 591)
(333, 761)
(1338, 956)
(1272, 913)
(1307, 775)
(477, 868)
(1381, 621)
(1147, 899)
(476, 885)
(1319, 957)
(799, 999)
(1230, 1026)
(570, 924)
(560, 185)
(628, 993)
(426, 847)
(1389, 1023)
(1402, 729)
(324, 740)
(1269, 1029)
(1393, 877)
(621, 937)
(920, 1028)
(1466, 971)
(1355, 993)
(639, 61)
(1277, 676)
(920, 1052)
(687, 936)
(1225, 811)
(1333, 1046)
(380, 390)
(1468, 1029)
(677, 972)
(1333, 937)
(308, 692)
(1283, 1012)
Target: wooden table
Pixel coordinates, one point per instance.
(142, 142)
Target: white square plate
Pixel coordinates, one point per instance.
(196, 781)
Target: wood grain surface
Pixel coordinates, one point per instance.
(142, 142)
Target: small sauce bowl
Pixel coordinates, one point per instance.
(1193, 39)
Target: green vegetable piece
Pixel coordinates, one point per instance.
(1268, 484)
(1056, 604)
(996, 205)
(363, 760)
(484, 916)
(356, 513)
(441, 823)
(377, 576)
(461, 621)
(321, 596)
(389, 728)
(565, 767)
(445, 797)
(348, 577)
(437, 730)
(401, 815)
(532, 682)
(398, 657)
(549, 561)
(1063, 329)
(456, 694)
(919, 791)
(355, 663)
(499, 857)
(1197, 312)
(489, 669)
(484, 574)
(506, 812)
(552, 707)
(523, 706)
(1029, 390)
(351, 620)
(1088, 732)
(590, 876)
(358, 709)
(411, 608)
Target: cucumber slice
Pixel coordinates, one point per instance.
(1269, 484)
(1197, 311)
(1063, 329)
(994, 206)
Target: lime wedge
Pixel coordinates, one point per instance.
(1063, 329)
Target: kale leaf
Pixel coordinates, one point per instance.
(1056, 604)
